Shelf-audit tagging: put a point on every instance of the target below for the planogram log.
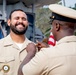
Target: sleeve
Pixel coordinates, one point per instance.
(36, 65)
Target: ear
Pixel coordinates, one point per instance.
(57, 26)
(8, 22)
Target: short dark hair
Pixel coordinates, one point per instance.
(14, 11)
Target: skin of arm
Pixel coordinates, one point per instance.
(31, 49)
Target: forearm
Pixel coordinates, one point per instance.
(31, 51)
(25, 61)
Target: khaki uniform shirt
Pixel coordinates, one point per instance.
(58, 60)
(11, 56)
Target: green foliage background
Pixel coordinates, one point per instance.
(42, 20)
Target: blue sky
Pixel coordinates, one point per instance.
(70, 3)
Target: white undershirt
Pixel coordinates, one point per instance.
(19, 45)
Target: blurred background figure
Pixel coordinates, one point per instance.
(1, 34)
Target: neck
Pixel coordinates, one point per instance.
(17, 38)
(64, 34)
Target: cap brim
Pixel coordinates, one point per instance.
(64, 11)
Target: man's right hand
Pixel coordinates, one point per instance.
(40, 45)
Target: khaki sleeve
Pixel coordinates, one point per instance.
(36, 65)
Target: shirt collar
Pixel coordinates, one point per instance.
(8, 40)
(67, 39)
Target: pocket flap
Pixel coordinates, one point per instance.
(6, 59)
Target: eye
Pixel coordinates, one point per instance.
(16, 18)
(24, 19)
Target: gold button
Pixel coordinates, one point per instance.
(5, 68)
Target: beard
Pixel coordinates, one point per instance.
(18, 31)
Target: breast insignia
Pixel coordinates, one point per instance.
(5, 68)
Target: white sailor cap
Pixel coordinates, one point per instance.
(62, 13)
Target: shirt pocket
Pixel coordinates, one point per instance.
(7, 64)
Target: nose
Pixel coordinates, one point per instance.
(20, 20)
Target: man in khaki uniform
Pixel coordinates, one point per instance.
(60, 59)
(13, 47)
